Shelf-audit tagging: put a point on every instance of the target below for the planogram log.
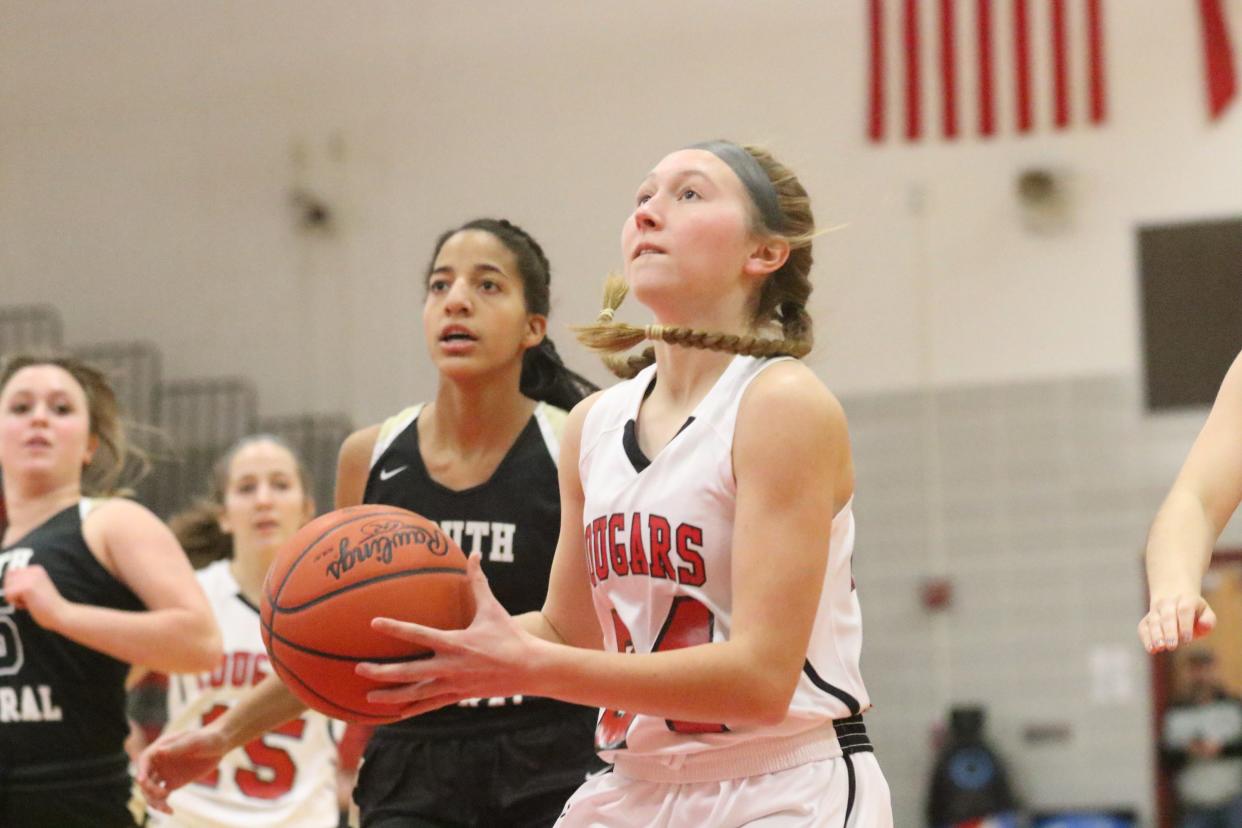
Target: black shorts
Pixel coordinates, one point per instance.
(97, 798)
(516, 777)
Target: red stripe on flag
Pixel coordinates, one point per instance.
(914, 114)
(875, 119)
(1219, 73)
(1022, 64)
(987, 108)
(1095, 60)
(1060, 66)
(948, 67)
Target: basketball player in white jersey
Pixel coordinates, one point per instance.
(1204, 496)
(259, 496)
(710, 501)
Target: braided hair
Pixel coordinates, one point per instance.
(545, 376)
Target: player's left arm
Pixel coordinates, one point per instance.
(791, 460)
(1204, 496)
(177, 633)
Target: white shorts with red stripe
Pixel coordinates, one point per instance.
(840, 792)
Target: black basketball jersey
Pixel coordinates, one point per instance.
(512, 519)
(62, 705)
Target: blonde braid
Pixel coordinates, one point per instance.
(610, 338)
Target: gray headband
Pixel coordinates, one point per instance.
(761, 189)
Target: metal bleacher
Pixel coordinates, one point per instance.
(183, 424)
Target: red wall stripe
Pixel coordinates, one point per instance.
(1060, 66)
(948, 67)
(1219, 72)
(914, 101)
(875, 118)
(1022, 65)
(1095, 61)
(987, 105)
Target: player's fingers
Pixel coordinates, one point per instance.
(414, 633)
(412, 692)
(405, 672)
(1144, 635)
(1206, 622)
(152, 788)
(1154, 633)
(1168, 625)
(1186, 613)
(478, 581)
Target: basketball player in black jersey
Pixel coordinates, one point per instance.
(90, 586)
(480, 459)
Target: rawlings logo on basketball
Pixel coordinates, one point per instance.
(380, 540)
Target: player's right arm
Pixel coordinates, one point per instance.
(1205, 494)
(177, 759)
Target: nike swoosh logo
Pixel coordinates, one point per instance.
(386, 474)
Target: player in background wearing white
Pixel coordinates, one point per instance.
(710, 502)
(91, 584)
(258, 498)
(1204, 496)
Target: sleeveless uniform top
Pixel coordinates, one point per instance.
(512, 519)
(287, 777)
(62, 704)
(659, 534)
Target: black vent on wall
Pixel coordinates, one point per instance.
(1191, 286)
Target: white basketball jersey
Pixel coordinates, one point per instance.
(659, 535)
(285, 778)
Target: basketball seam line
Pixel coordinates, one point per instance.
(372, 717)
(430, 570)
(341, 657)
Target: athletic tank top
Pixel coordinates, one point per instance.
(512, 519)
(62, 705)
(659, 534)
(283, 779)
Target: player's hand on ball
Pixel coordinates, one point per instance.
(30, 588)
(488, 658)
(177, 759)
(1175, 619)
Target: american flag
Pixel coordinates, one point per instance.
(952, 69)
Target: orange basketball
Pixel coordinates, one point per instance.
(336, 574)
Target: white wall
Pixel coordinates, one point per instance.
(148, 151)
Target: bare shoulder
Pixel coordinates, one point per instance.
(115, 515)
(571, 444)
(117, 528)
(357, 447)
(578, 414)
(789, 393)
(353, 465)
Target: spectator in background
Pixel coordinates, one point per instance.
(1201, 745)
